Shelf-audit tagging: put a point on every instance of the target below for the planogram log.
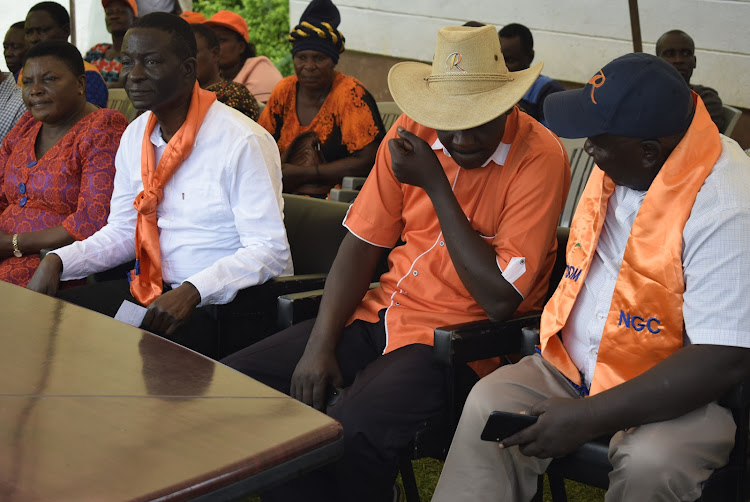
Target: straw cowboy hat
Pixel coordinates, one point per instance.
(467, 85)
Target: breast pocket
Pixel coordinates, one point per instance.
(202, 204)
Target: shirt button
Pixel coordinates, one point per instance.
(398, 304)
(415, 273)
(442, 243)
(593, 352)
(600, 316)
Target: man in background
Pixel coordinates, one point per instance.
(517, 45)
(678, 49)
(14, 48)
(51, 21)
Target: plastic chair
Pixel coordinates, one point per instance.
(119, 100)
(389, 112)
(731, 115)
(581, 166)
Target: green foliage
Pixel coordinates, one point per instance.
(267, 22)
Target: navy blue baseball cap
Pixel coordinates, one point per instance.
(637, 95)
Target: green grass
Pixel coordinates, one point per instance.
(427, 472)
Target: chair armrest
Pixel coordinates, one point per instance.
(296, 307)
(264, 297)
(300, 306)
(473, 341)
(343, 194)
(353, 182)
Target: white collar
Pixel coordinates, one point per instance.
(499, 157)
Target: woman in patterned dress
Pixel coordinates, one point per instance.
(317, 98)
(57, 163)
(118, 16)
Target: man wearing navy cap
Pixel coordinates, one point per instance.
(649, 321)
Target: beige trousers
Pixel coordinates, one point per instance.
(663, 461)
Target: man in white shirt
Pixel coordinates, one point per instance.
(219, 217)
(650, 318)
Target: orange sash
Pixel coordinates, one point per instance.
(145, 279)
(644, 324)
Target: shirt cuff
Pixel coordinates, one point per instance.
(515, 269)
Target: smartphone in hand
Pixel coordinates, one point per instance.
(502, 424)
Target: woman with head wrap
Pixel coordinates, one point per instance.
(237, 60)
(319, 101)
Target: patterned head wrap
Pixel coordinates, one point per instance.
(317, 30)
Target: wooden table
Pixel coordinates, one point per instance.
(95, 410)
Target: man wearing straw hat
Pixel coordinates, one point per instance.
(474, 188)
(650, 322)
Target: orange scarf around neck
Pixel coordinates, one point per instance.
(145, 280)
(644, 324)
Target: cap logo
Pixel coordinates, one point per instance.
(596, 82)
(451, 62)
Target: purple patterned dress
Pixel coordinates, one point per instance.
(70, 185)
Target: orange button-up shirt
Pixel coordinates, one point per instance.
(514, 207)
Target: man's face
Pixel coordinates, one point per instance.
(14, 48)
(621, 159)
(40, 27)
(154, 75)
(678, 50)
(516, 59)
(471, 148)
(207, 58)
(118, 16)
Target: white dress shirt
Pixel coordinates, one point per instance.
(220, 220)
(716, 268)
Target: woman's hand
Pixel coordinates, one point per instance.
(293, 175)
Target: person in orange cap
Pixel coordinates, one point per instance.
(119, 16)
(193, 17)
(238, 60)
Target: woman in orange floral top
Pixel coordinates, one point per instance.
(317, 98)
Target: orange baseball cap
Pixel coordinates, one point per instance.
(231, 21)
(131, 3)
(193, 17)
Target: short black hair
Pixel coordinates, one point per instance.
(513, 30)
(64, 51)
(20, 25)
(473, 24)
(207, 33)
(57, 12)
(672, 32)
(180, 34)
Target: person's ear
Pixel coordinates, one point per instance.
(651, 154)
(531, 56)
(82, 83)
(66, 29)
(190, 67)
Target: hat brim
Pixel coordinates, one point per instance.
(568, 118)
(409, 88)
(228, 26)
